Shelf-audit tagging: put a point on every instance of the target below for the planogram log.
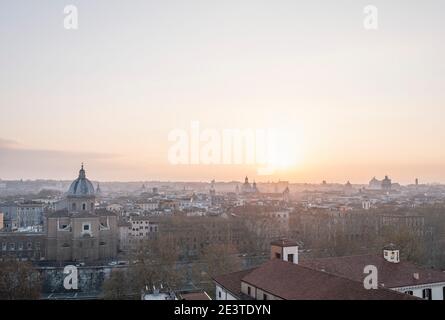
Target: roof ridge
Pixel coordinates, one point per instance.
(332, 275)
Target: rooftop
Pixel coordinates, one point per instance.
(391, 275)
(296, 282)
(232, 281)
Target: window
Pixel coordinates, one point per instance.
(290, 257)
(443, 293)
(277, 255)
(86, 229)
(248, 291)
(73, 206)
(427, 294)
(409, 292)
(219, 294)
(84, 206)
(264, 296)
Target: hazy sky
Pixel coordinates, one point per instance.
(365, 103)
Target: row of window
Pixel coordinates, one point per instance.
(290, 256)
(265, 296)
(89, 244)
(427, 293)
(23, 257)
(141, 222)
(12, 246)
(152, 229)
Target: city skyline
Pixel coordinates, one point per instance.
(253, 179)
(253, 152)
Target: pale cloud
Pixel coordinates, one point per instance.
(20, 162)
(6, 143)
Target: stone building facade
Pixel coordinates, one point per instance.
(79, 232)
(24, 246)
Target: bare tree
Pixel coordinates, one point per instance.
(155, 262)
(117, 286)
(215, 260)
(410, 244)
(19, 281)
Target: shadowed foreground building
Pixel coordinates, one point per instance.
(285, 278)
(79, 232)
(394, 274)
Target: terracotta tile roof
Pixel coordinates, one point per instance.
(232, 281)
(390, 275)
(295, 282)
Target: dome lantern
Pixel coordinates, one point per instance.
(81, 187)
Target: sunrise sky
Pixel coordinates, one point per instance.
(363, 103)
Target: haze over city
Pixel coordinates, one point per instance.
(252, 155)
(363, 103)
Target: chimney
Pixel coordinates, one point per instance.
(285, 250)
(416, 276)
(391, 253)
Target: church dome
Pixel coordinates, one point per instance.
(81, 187)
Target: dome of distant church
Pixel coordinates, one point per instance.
(81, 187)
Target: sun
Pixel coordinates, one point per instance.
(284, 159)
(286, 152)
